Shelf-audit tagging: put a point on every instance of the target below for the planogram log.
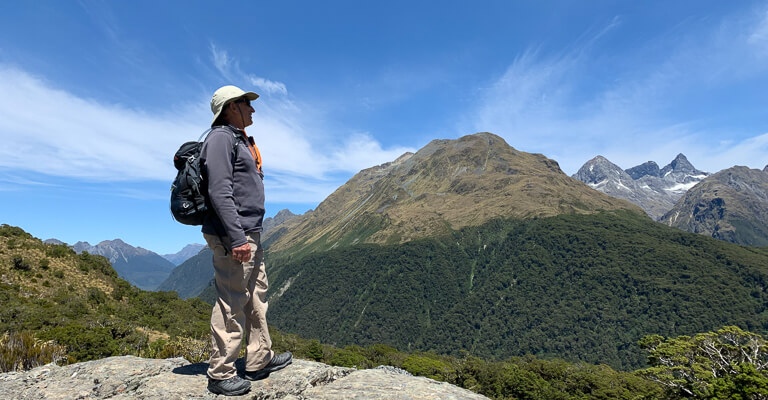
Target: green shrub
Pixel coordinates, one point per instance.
(58, 251)
(347, 358)
(431, 366)
(193, 350)
(13, 231)
(22, 351)
(313, 350)
(85, 343)
(20, 264)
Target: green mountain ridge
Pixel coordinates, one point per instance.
(79, 301)
(191, 277)
(577, 287)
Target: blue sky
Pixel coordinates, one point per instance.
(98, 95)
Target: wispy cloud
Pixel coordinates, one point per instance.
(656, 106)
(269, 86)
(51, 132)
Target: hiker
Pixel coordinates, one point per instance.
(232, 166)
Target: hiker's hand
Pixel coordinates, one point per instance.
(242, 253)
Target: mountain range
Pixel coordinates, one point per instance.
(184, 254)
(141, 267)
(471, 245)
(438, 206)
(445, 186)
(451, 199)
(655, 190)
(730, 205)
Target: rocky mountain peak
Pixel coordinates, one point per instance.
(655, 190)
(114, 250)
(599, 171)
(184, 254)
(680, 165)
(731, 205)
(649, 168)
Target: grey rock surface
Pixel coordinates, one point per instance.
(129, 377)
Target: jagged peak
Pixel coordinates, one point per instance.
(598, 169)
(284, 213)
(680, 165)
(681, 162)
(648, 168)
(113, 242)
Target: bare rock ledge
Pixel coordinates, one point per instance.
(129, 377)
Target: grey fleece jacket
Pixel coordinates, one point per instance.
(235, 189)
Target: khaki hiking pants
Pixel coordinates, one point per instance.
(240, 310)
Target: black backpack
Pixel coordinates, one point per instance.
(189, 191)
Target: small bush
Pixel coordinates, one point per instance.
(23, 351)
(58, 251)
(429, 366)
(193, 350)
(347, 358)
(20, 264)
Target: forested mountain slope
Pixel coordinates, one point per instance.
(578, 287)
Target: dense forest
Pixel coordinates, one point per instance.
(585, 288)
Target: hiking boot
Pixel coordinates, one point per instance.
(277, 362)
(234, 386)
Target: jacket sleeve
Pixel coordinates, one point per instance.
(218, 154)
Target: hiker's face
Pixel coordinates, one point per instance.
(240, 113)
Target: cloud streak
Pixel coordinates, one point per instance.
(53, 133)
(659, 103)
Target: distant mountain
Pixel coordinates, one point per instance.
(195, 273)
(445, 186)
(141, 267)
(282, 216)
(184, 254)
(655, 190)
(731, 205)
(190, 277)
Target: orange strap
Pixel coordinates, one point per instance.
(254, 150)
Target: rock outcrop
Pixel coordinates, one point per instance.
(128, 377)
